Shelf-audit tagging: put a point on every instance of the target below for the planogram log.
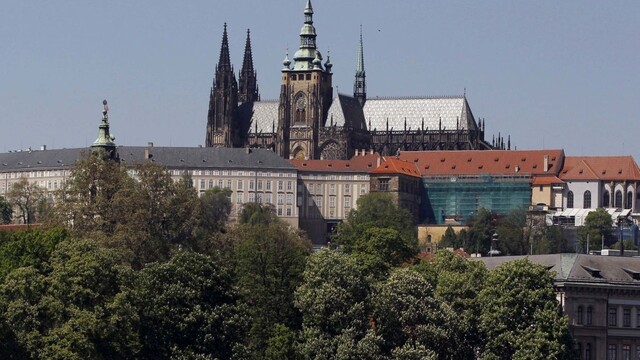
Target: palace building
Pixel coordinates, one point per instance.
(310, 122)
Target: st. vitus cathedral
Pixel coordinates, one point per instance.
(309, 122)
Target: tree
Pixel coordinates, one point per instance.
(26, 197)
(333, 301)
(597, 226)
(215, 208)
(514, 232)
(28, 248)
(6, 211)
(553, 241)
(521, 318)
(406, 313)
(394, 237)
(449, 239)
(455, 280)
(481, 229)
(256, 213)
(189, 308)
(270, 259)
(74, 310)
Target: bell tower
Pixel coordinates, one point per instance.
(306, 93)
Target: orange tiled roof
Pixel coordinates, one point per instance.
(493, 162)
(546, 180)
(600, 168)
(393, 165)
(359, 163)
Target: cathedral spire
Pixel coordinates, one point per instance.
(360, 85)
(225, 60)
(307, 52)
(222, 128)
(248, 85)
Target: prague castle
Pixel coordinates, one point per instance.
(310, 122)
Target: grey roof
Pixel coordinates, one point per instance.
(40, 159)
(453, 111)
(582, 268)
(345, 111)
(262, 113)
(171, 157)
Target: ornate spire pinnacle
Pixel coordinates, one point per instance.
(248, 86)
(360, 64)
(286, 62)
(360, 84)
(307, 52)
(225, 59)
(104, 140)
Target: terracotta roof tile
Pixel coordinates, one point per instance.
(393, 165)
(546, 180)
(478, 162)
(600, 168)
(359, 163)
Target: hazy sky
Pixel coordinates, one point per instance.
(552, 74)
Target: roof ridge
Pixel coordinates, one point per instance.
(416, 97)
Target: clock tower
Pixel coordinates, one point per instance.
(305, 96)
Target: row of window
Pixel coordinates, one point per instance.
(617, 201)
(612, 316)
(264, 198)
(318, 201)
(229, 173)
(36, 174)
(240, 184)
(612, 352)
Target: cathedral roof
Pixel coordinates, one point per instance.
(448, 113)
(264, 114)
(345, 111)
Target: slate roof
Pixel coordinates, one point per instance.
(481, 162)
(345, 111)
(171, 157)
(393, 165)
(600, 168)
(262, 113)
(452, 112)
(358, 163)
(40, 159)
(582, 268)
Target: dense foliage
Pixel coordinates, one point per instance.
(138, 266)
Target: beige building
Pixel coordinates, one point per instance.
(329, 189)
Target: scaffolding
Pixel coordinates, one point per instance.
(456, 199)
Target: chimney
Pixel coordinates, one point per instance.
(357, 152)
(150, 144)
(546, 163)
(146, 154)
(378, 162)
(43, 147)
(247, 150)
(371, 151)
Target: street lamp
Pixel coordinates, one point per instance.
(494, 240)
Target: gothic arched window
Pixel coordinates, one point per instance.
(617, 202)
(570, 200)
(605, 199)
(587, 200)
(629, 203)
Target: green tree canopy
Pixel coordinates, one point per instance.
(6, 211)
(333, 301)
(521, 317)
(188, 305)
(378, 228)
(269, 262)
(26, 197)
(597, 225)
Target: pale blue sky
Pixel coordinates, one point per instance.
(553, 74)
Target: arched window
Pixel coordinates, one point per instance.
(580, 315)
(629, 203)
(587, 200)
(605, 199)
(570, 200)
(589, 315)
(617, 202)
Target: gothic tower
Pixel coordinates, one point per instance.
(248, 84)
(305, 97)
(222, 127)
(360, 85)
